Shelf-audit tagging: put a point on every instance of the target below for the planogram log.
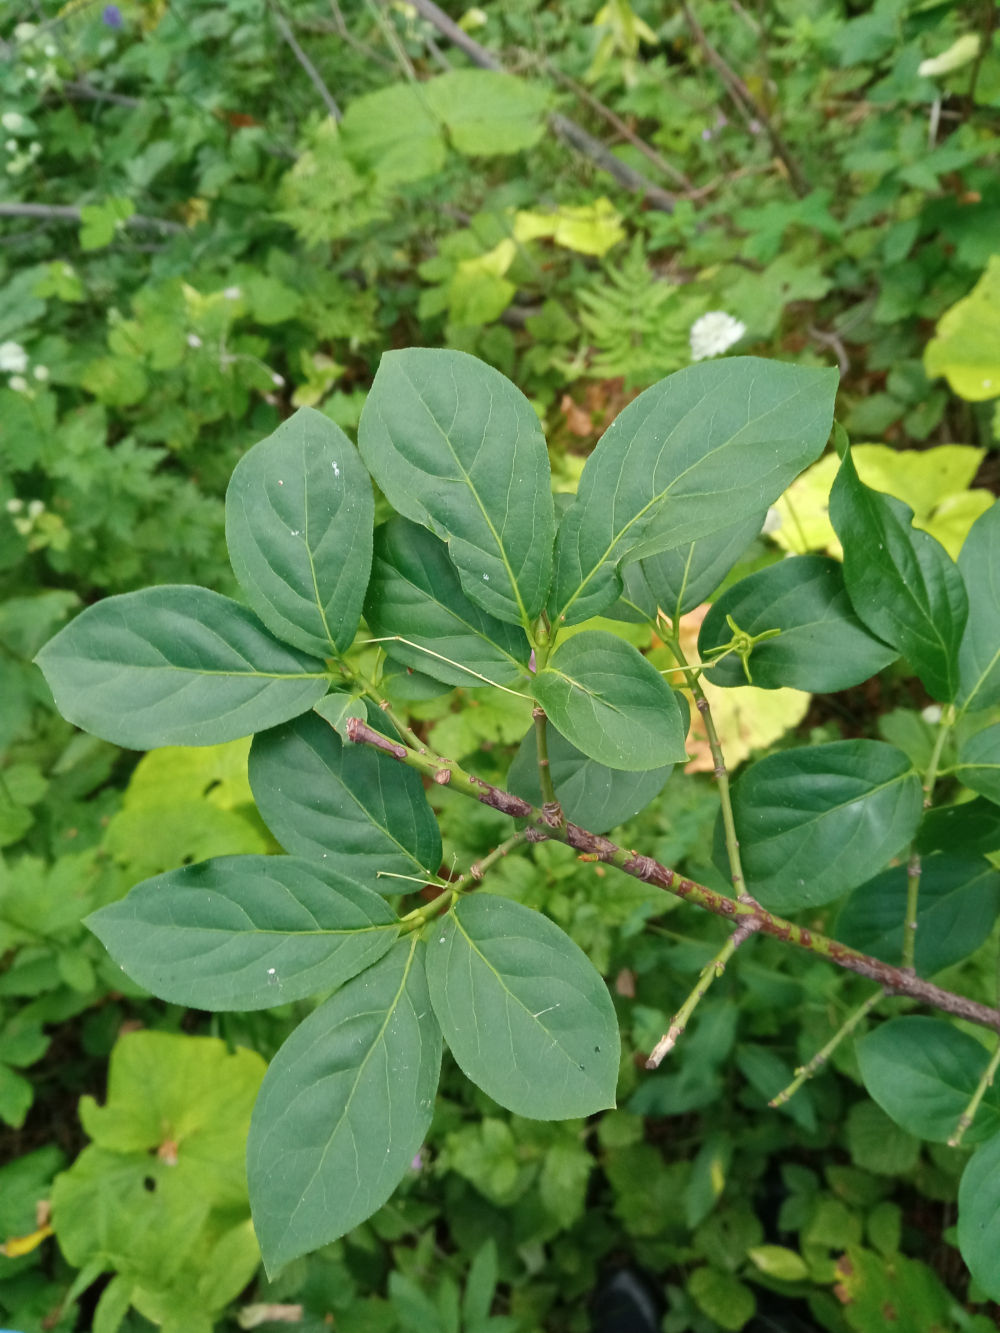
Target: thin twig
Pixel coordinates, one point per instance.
(806, 1071)
(339, 26)
(969, 1114)
(82, 89)
(594, 847)
(744, 100)
(65, 213)
(313, 74)
(566, 129)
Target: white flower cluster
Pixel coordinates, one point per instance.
(36, 64)
(14, 362)
(25, 516)
(714, 333)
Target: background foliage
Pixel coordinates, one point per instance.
(190, 246)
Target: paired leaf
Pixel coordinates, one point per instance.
(299, 515)
(591, 795)
(708, 442)
(901, 581)
(456, 447)
(979, 655)
(812, 822)
(350, 806)
(822, 646)
(176, 665)
(245, 932)
(958, 904)
(922, 1072)
(343, 1108)
(978, 764)
(979, 1215)
(525, 1014)
(611, 703)
(679, 580)
(415, 592)
(971, 828)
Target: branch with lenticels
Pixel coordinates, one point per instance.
(748, 916)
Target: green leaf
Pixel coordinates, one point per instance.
(591, 795)
(813, 822)
(245, 932)
(393, 134)
(522, 1009)
(611, 703)
(681, 579)
(351, 806)
(456, 447)
(723, 1297)
(415, 593)
(823, 646)
(966, 348)
(979, 655)
(707, 443)
(343, 1108)
(176, 665)
(299, 515)
(923, 1072)
(959, 902)
(901, 581)
(971, 828)
(978, 764)
(486, 112)
(979, 1216)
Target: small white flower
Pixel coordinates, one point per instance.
(30, 72)
(14, 506)
(41, 373)
(932, 714)
(772, 521)
(960, 53)
(35, 507)
(714, 333)
(13, 357)
(50, 51)
(24, 31)
(12, 121)
(193, 340)
(18, 383)
(232, 293)
(11, 145)
(277, 380)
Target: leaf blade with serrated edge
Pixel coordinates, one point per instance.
(343, 1108)
(707, 442)
(495, 970)
(245, 932)
(611, 703)
(349, 806)
(901, 581)
(130, 668)
(299, 515)
(415, 593)
(456, 447)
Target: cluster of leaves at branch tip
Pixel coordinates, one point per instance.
(474, 583)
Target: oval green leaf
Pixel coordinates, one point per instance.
(679, 580)
(176, 665)
(591, 795)
(352, 807)
(822, 646)
(958, 904)
(979, 1216)
(813, 822)
(708, 442)
(456, 447)
(245, 932)
(611, 703)
(415, 593)
(923, 1072)
(979, 654)
(522, 1009)
(978, 764)
(299, 515)
(901, 581)
(343, 1108)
